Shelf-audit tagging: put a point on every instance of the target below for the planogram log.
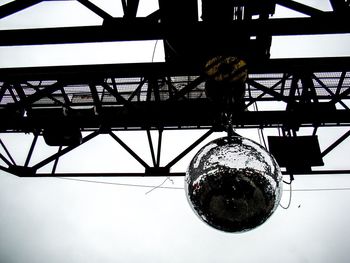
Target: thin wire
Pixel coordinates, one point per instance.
(120, 184)
(279, 131)
(263, 136)
(154, 50)
(158, 186)
(290, 197)
(255, 106)
(181, 188)
(321, 189)
(260, 130)
(284, 181)
(260, 140)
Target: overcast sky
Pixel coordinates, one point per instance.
(60, 220)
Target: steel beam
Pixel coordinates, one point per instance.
(16, 6)
(86, 73)
(179, 174)
(122, 30)
(179, 116)
(299, 7)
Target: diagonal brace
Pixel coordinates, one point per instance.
(336, 143)
(7, 152)
(299, 7)
(188, 88)
(267, 90)
(39, 94)
(331, 92)
(94, 8)
(16, 6)
(190, 148)
(129, 150)
(65, 150)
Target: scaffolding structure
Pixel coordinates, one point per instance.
(70, 105)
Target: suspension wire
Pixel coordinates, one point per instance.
(263, 137)
(322, 189)
(182, 188)
(284, 181)
(260, 130)
(121, 184)
(154, 50)
(290, 197)
(158, 186)
(255, 106)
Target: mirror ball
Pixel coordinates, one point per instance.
(233, 184)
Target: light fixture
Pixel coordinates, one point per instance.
(233, 184)
(226, 81)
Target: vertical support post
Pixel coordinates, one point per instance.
(155, 87)
(151, 147)
(95, 97)
(308, 89)
(130, 8)
(160, 133)
(293, 89)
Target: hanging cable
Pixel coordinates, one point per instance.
(284, 181)
(121, 184)
(290, 197)
(260, 130)
(263, 137)
(154, 50)
(181, 188)
(255, 106)
(158, 186)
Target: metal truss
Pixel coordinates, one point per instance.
(164, 23)
(86, 101)
(157, 96)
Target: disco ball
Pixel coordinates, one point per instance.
(233, 184)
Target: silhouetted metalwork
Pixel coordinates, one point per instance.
(69, 105)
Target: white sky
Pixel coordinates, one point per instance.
(58, 220)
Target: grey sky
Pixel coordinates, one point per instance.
(58, 220)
